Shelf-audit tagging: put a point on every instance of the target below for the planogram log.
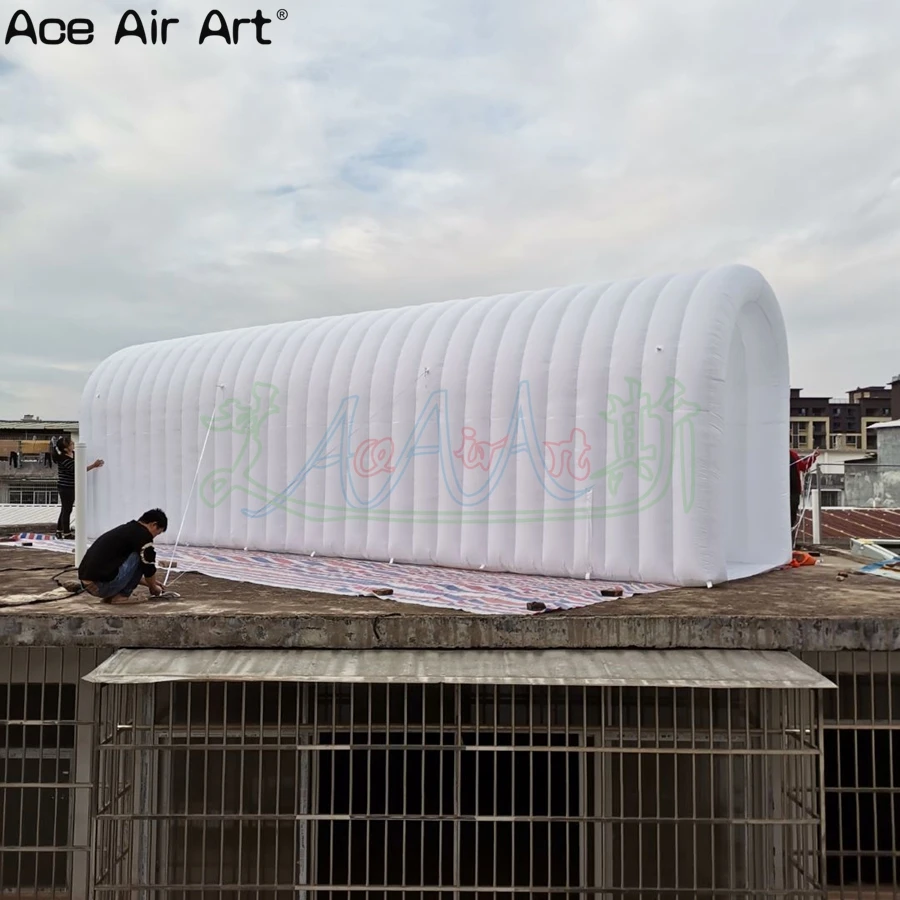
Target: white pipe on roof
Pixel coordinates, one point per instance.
(80, 502)
(817, 509)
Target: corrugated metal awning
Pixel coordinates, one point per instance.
(604, 668)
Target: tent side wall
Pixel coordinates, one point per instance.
(744, 385)
(633, 431)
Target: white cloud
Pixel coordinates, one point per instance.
(379, 154)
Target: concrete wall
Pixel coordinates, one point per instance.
(888, 446)
(872, 486)
(876, 485)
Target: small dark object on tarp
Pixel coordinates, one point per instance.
(845, 573)
(382, 592)
(611, 592)
(536, 606)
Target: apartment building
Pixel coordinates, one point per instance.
(823, 423)
(27, 475)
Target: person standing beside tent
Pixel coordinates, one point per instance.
(799, 465)
(63, 454)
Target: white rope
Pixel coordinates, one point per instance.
(181, 574)
(805, 495)
(191, 491)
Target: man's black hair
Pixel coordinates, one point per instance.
(155, 517)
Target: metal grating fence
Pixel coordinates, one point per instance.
(285, 790)
(248, 790)
(861, 773)
(45, 771)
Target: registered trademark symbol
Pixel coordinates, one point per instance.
(282, 14)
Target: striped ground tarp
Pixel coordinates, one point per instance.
(484, 593)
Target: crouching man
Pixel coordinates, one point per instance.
(122, 558)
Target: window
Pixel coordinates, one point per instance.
(799, 435)
(29, 493)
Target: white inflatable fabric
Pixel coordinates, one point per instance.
(629, 431)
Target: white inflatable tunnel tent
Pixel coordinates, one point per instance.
(627, 431)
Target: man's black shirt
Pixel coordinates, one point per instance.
(105, 556)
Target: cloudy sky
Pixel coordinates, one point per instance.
(384, 153)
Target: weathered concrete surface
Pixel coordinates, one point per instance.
(871, 485)
(806, 609)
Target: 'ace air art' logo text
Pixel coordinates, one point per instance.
(644, 438)
(149, 28)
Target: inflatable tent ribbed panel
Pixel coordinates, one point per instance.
(633, 430)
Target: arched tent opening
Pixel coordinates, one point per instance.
(755, 454)
(632, 430)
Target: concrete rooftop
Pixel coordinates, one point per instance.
(805, 609)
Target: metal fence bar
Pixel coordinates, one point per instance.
(46, 784)
(482, 791)
(240, 790)
(860, 724)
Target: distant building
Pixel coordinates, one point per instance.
(26, 472)
(845, 432)
(876, 482)
(822, 423)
